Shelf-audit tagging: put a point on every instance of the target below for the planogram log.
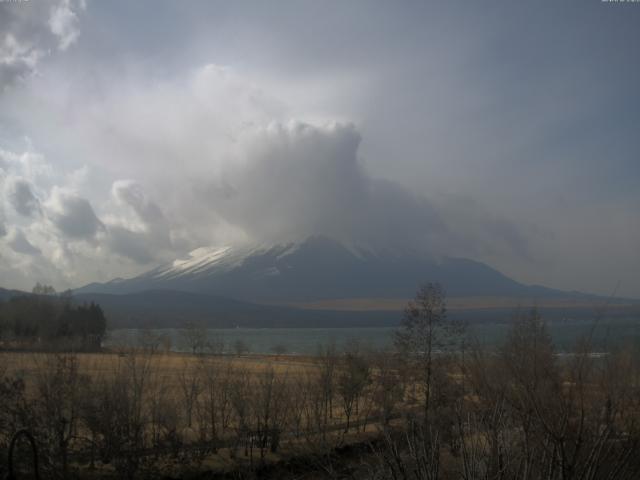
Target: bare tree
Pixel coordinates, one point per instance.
(14, 412)
(328, 359)
(190, 387)
(353, 378)
(298, 402)
(424, 332)
(58, 405)
(269, 409)
(388, 390)
(240, 397)
(216, 376)
(195, 337)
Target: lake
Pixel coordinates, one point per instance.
(301, 341)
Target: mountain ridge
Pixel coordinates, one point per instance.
(320, 268)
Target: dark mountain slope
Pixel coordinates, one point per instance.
(318, 269)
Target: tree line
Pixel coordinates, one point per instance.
(45, 319)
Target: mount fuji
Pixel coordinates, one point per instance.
(319, 269)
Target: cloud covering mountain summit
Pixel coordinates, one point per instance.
(132, 133)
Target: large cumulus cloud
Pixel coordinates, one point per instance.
(51, 231)
(228, 165)
(294, 180)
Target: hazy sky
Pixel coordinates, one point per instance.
(134, 132)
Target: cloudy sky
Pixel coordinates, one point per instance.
(134, 132)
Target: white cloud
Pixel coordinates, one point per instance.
(68, 244)
(28, 33)
(17, 61)
(63, 22)
(294, 180)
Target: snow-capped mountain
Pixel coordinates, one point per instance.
(318, 268)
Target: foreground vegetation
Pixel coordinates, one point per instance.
(435, 408)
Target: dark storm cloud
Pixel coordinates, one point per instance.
(130, 193)
(22, 198)
(130, 244)
(73, 215)
(20, 244)
(143, 241)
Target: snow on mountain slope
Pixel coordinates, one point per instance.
(315, 269)
(217, 260)
(202, 260)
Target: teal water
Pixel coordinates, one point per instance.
(608, 335)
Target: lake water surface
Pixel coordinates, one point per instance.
(607, 335)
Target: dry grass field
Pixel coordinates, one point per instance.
(136, 411)
(28, 364)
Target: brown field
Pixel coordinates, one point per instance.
(28, 364)
(215, 412)
(167, 369)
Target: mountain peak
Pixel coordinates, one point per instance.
(316, 268)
